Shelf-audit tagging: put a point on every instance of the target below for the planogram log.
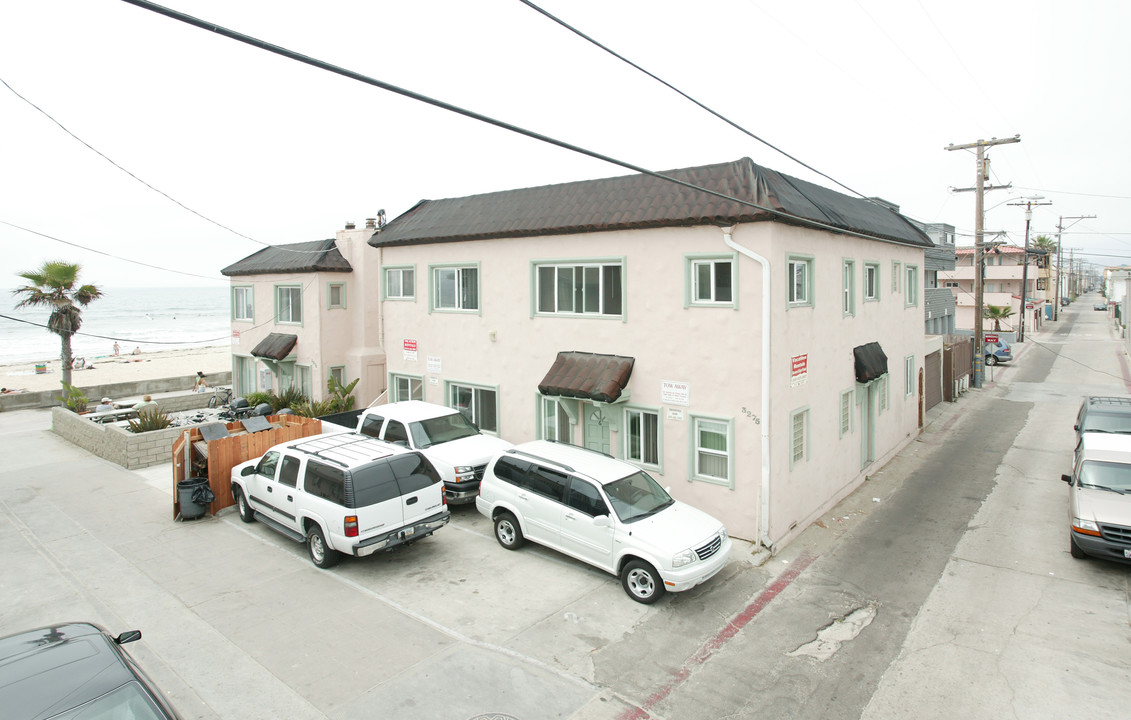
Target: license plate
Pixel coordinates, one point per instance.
(409, 531)
(1127, 554)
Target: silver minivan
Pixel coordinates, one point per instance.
(1099, 504)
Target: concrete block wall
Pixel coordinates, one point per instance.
(137, 388)
(117, 444)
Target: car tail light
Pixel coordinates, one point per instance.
(351, 525)
(444, 497)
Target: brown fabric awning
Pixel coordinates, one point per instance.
(871, 362)
(590, 376)
(275, 346)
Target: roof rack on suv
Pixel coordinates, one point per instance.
(539, 458)
(342, 443)
(581, 447)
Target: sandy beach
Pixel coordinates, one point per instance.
(126, 368)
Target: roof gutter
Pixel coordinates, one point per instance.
(764, 424)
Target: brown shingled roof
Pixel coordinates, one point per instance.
(644, 201)
(314, 256)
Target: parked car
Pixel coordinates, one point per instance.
(457, 449)
(76, 670)
(604, 512)
(1103, 414)
(342, 494)
(1063, 301)
(998, 352)
(1099, 500)
(1102, 306)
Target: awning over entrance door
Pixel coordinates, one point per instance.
(871, 362)
(590, 376)
(275, 346)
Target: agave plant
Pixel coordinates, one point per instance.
(150, 419)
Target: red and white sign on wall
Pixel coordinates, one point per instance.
(799, 369)
(990, 338)
(410, 350)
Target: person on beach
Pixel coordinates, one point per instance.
(201, 385)
(147, 404)
(117, 350)
(137, 351)
(106, 404)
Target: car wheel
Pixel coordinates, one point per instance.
(991, 360)
(242, 505)
(1075, 549)
(507, 532)
(642, 583)
(320, 553)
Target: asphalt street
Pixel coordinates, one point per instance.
(942, 588)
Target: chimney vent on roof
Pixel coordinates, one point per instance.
(349, 225)
(381, 218)
(371, 223)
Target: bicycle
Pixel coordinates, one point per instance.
(220, 396)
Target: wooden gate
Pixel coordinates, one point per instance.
(932, 390)
(195, 457)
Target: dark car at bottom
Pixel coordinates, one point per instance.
(76, 671)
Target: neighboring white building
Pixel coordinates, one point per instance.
(1002, 278)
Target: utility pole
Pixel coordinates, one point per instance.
(1061, 227)
(981, 175)
(1028, 205)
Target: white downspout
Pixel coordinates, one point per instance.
(764, 523)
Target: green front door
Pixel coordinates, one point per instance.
(597, 425)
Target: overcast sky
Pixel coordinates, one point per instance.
(868, 92)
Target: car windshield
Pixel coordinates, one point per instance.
(637, 496)
(127, 701)
(434, 431)
(1106, 476)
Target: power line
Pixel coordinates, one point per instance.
(352, 75)
(164, 194)
(668, 85)
(111, 255)
(127, 340)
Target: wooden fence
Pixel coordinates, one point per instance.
(193, 457)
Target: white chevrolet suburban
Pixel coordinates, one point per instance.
(341, 494)
(1099, 498)
(456, 448)
(602, 511)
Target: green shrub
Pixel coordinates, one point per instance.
(256, 398)
(290, 397)
(150, 419)
(312, 409)
(340, 396)
(73, 399)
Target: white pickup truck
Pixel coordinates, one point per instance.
(457, 449)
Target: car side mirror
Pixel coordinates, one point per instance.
(1066, 478)
(249, 470)
(128, 636)
(602, 521)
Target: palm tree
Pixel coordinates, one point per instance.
(55, 285)
(997, 313)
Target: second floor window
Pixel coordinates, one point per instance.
(800, 281)
(288, 304)
(243, 304)
(712, 282)
(580, 289)
(456, 288)
(871, 281)
(400, 283)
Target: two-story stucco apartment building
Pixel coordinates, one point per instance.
(759, 355)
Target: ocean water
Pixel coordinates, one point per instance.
(152, 319)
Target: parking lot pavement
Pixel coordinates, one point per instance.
(238, 623)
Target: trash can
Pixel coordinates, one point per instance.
(194, 495)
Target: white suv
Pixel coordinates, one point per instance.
(604, 512)
(341, 493)
(456, 448)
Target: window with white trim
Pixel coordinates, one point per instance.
(896, 269)
(338, 372)
(846, 412)
(406, 387)
(336, 296)
(848, 302)
(800, 280)
(884, 402)
(908, 375)
(798, 436)
(642, 436)
(554, 421)
(579, 288)
(400, 283)
(478, 404)
(243, 304)
(911, 287)
(288, 304)
(712, 449)
(304, 380)
(455, 288)
(871, 281)
(711, 281)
